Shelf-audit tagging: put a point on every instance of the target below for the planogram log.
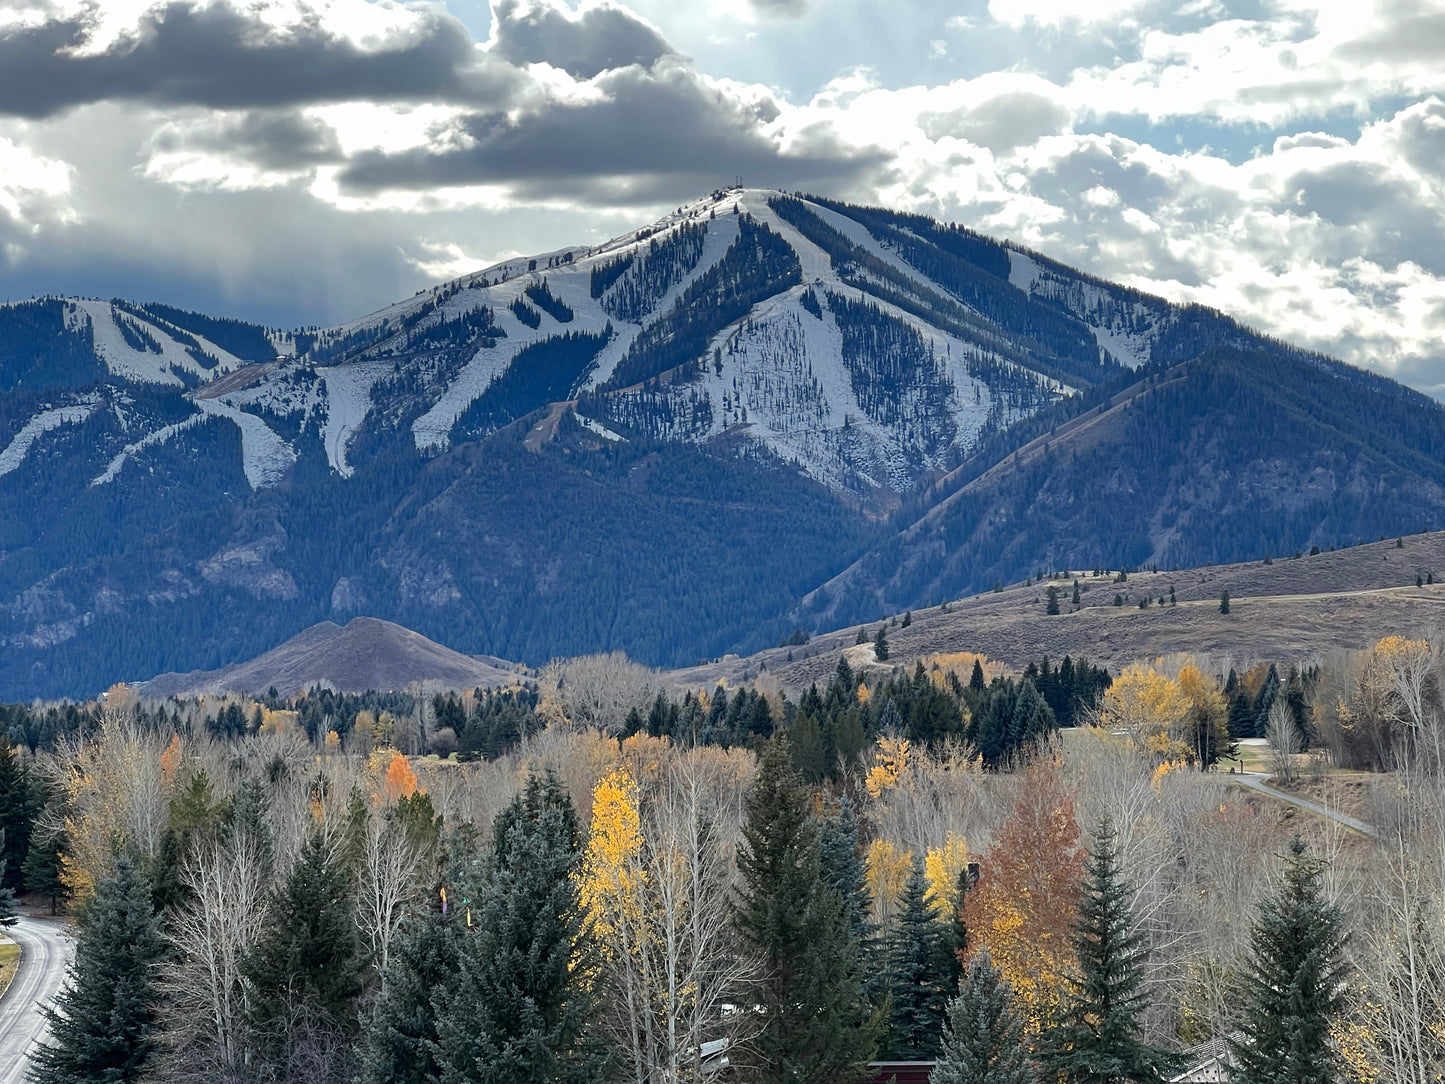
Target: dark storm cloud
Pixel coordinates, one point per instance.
(272, 140)
(599, 39)
(225, 58)
(665, 122)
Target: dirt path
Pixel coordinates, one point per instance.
(1255, 781)
(546, 429)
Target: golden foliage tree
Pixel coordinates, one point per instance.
(1152, 709)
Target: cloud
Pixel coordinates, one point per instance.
(596, 39)
(666, 129)
(780, 9)
(1002, 111)
(227, 57)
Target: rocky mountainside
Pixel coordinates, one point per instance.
(663, 444)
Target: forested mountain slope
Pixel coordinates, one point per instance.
(660, 444)
(1232, 455)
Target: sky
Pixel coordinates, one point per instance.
(297, 162)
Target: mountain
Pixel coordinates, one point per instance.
(366, 654)
(764, 410)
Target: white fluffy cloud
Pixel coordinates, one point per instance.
(302, 160)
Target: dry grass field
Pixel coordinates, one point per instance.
(1290, 609)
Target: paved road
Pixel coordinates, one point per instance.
(1255, 781)
(46, 949)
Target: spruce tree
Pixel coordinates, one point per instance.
(880, 644)
(400, 1044)
(1052, 609)
(102, 1025)
(976, 682)
(1099, 1037)
(1294, 982)
(1224, 602)
(42, 869)
(841, 868)
(815, 1024)
(306, 971)
(919, 993)
(518, 1009)
(7, 894)
(983, 1041)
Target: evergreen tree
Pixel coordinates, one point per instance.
(102, 1025)
(7, 894)
(841, 868)
(518, 1009)
(919, 994)
(983, 1042)
(816, 1026)
(42, 869)
(976, 682)
(307, 970)
(18, 807)
(1224, 602)
(1078, 599)
(1052, 609)
(880, 644)
(1294, 982)
(1098, 1039)
(400, 1043)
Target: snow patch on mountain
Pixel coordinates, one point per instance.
(348, 402)
(150, 440)
(42, 423)
(265, 457)
(1023, 272)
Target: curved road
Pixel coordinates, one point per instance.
(46, 948)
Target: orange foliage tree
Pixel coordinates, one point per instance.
(399, 781)
(1027, 897)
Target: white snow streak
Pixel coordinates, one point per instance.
(265, 457)
(15, 452)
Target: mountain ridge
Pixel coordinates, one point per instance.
(685, 441)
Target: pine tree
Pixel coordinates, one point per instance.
(1224, 602)
(1294, 982)
(983, 1042)
(42, 869)
(1078, 599)
(307, 970)
(518, 1009)
(7, 894)
(815, 1024)
(880, 645)
(919, 992)
(1098, 1040)
(1052, 609)
(18, 807)
(841, 868)
(400, 1038)
(102, 1025)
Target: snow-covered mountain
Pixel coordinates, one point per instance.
(661, 444)
(872, 349)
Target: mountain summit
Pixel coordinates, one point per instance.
(678, 443)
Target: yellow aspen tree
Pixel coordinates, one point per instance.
(943, 866)
(890, 761)
(171, 761)
(1151, 709)
(886, 870)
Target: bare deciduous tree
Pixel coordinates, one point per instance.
(207, 1032)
